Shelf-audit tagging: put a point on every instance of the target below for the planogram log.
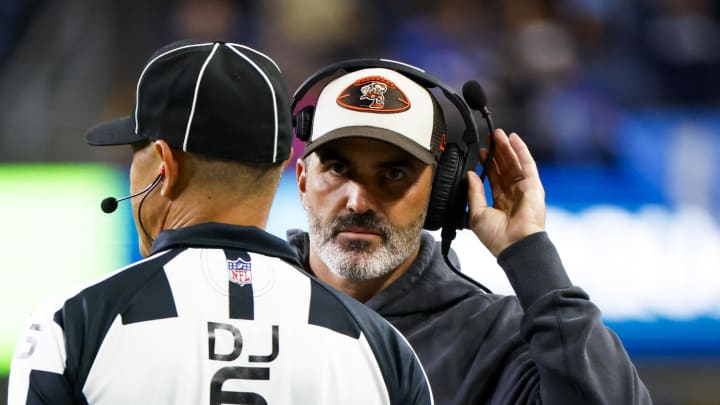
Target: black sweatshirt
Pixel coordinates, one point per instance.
(546, 345)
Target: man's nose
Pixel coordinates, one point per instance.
(360, 199)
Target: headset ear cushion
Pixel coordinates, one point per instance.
(303, 123)
(444, 184)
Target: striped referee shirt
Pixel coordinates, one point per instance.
(217, 314)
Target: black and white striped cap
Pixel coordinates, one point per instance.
(217, 99)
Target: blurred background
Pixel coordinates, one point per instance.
(617, 99)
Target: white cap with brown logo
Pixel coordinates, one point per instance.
(381, 104)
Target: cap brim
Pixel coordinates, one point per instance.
(380, 134)
(116, 132)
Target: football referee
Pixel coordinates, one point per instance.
(219, 311)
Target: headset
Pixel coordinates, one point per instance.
(447, 207)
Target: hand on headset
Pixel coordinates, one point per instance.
(518, 196)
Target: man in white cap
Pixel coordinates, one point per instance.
(365, 180)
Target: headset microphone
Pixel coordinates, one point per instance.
(475, 97)
(110, 204)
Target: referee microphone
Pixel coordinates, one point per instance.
(110, 204)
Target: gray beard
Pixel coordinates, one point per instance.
(356, 260)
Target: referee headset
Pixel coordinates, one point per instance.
(447, 207)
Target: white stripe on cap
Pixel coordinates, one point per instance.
(272, 92)
(195, 95)
(232, 44)
(137, 89)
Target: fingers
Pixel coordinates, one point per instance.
(525, 159)
(493, 175)
(506, 156)
(510, 167)
(512, 157)
(476, 192)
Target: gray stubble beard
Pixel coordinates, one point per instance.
(356, 261)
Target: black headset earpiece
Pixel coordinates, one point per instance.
(302, 121)
(447, 208)
(444, 186)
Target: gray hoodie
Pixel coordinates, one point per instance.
(546, 345)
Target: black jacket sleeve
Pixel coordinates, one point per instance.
(573, 358)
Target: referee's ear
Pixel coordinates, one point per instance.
(169, 167)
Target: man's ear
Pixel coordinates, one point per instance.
(300, 176)
(169, 167)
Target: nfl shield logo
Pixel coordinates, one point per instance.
(239, 271)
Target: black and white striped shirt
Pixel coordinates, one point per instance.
(217, 314)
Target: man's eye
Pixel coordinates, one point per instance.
(338, 168)
(395, 174)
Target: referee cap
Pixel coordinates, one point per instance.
(217, 99)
